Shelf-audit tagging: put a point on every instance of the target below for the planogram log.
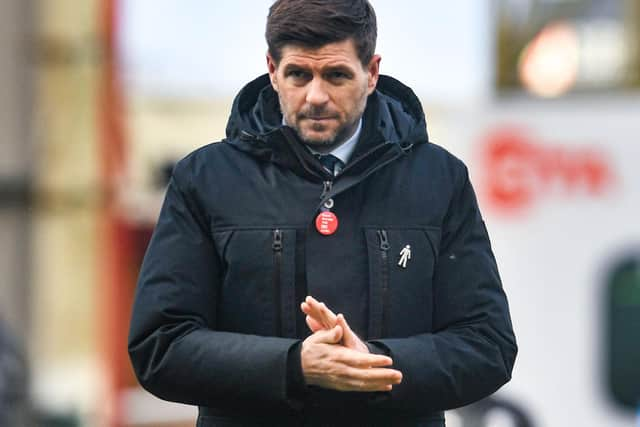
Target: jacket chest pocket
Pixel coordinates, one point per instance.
(257, 293)
(401, 266)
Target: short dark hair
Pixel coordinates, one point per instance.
(315, 23)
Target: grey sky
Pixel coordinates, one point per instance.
(211, 48)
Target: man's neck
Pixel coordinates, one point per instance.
(343, 139)
(344, 149)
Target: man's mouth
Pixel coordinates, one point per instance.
(319, 118)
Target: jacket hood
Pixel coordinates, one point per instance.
(393, 116)
(400, 116)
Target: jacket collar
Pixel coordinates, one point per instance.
(393, 121)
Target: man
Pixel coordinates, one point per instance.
(405, 317)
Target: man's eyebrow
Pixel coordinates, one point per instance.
(293, 66)
(329, 68)
(339, 67)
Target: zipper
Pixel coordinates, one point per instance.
(277, 272)
(326, 188)
(344, 183)
(290, 135)
(367, 153)
(247, 136)
(384, 277)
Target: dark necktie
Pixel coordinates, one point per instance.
(330, 162)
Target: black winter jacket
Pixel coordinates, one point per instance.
(216, 315)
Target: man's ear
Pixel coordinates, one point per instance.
(272, 68)
(373, 70)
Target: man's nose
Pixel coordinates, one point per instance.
(316, 93)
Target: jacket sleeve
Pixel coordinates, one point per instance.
(174, 347)
(472, 350)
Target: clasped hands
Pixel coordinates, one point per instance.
(335, 357)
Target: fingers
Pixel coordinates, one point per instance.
(319, 312)
(327, 336)
(313, 324)
(320, 317)
(358, 359)
(334, 357)
(339, 368)
(350, 339)
(373, 379)
(319, 322)
(328, 364)
(340, 320)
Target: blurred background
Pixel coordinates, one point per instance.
(99, 98)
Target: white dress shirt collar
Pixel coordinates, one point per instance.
(345, 150)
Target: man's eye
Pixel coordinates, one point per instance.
(337, 75)
(297, 74)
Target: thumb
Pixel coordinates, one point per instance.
(351, 340)
(328, 336)
(343, 322)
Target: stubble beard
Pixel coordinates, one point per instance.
(338, 136)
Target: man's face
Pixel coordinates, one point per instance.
(323, 92)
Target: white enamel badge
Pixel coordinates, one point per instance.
(405, 256)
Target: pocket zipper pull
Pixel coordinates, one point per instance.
(384, 241)
(277, 240)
